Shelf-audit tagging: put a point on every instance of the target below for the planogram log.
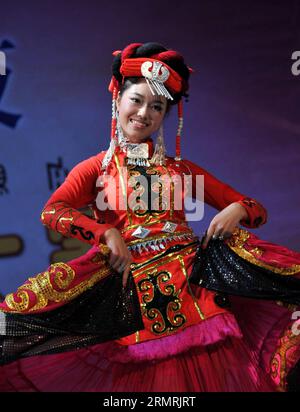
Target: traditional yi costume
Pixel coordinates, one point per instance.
(189, 319)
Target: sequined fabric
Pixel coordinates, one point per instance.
(104, 312)
(220, 269)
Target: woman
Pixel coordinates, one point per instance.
(156, 331)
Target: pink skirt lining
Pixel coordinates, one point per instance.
(205, 333)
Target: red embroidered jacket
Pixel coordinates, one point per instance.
(80, 189)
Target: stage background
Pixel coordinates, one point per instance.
(242, 121)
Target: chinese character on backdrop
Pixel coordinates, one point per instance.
(3, 180)
(6, 118)
(56, 174)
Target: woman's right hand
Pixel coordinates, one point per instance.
(120, 258)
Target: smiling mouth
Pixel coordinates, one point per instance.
(138, 123)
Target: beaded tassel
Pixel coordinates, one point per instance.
(113, 142)
(179, 130)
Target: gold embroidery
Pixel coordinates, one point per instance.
(156, 291)
(161, 204)
(48, 212)
(145, 269)
(68, 220)
(172, 191)
(236, 243)
(157, 208)
(52, 212)
(62, 279)
(136, 204)
(163, 188)
(44, 291)
(18, 306)
(257, 251)
(190, 290)
(123, 186)
(152, 170)
(103, 254)
(169, 257)
(238, 238)
(279, 358)
(59, 218)
(151, 221)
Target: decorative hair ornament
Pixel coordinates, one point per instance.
(162, 80)
(158, 74)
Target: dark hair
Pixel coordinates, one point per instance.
(152, 50)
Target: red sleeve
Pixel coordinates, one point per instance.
(78, 190)
(219, 195)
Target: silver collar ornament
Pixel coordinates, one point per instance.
(137, 154)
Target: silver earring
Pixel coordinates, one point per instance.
(159, 154)
(121, 139)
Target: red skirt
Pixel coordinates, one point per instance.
(250, 349)
(232, 364)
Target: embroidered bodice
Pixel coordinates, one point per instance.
(118, 198)
(145, 203)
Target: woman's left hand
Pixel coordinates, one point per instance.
(224, 223)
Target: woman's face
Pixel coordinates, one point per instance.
(140, 112)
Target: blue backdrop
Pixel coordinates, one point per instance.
(242, 121)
